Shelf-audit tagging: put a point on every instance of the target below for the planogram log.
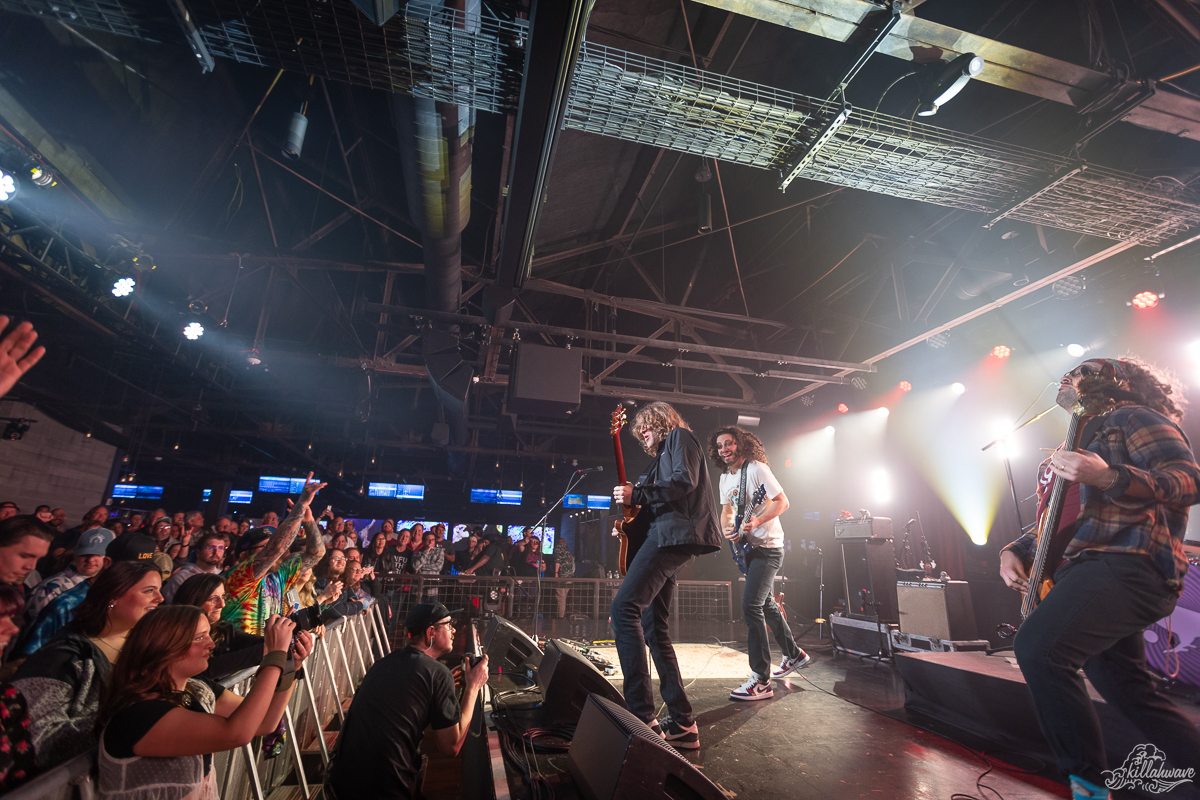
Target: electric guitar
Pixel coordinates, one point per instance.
(740, 546)
(1050, 546)
(627, 512)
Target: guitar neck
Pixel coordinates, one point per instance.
(1048, 524)
(620, 458)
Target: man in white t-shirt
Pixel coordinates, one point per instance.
(737, 450)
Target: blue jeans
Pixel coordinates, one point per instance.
(640, 612)
(759, 610)
(1094, 618)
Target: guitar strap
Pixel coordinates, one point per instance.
(741, 510)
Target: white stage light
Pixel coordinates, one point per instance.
(829, 429)
(883, 412)
(123, 287)
(8, 186)
(957, 388)
(193, 331)
(1076, 350)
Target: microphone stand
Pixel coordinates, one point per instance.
(576, 479)
(1012, 487)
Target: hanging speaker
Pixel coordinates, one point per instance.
(614, 756)
(566, 679)
(544, 380)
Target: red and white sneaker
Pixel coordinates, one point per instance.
(753, 689)
(790, 665)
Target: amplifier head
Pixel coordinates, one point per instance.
(873, 528)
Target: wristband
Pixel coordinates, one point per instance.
(285, 682)
(275, 658)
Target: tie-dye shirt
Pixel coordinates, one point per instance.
(250, 603)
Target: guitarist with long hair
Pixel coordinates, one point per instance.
(1128, 482)
(744, 470)
(677, 520)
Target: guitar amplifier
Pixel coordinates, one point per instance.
(873, 528)
(941, 610)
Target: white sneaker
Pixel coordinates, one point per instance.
(790, 665)
(753, 689)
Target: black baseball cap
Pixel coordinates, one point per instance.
(131, 547)
(253, 538)
(422, 615)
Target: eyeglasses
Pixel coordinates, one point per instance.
(448, 623)
(338, 560)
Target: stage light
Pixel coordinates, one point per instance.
(858, 383)
(295, 136)
(193, 331)
(957, 388)
(41, 176)
(949, 83)
(829, 429)
(806, 400)
(787, 463)
(938, 340)
(882, 411)
(16, 429)
(123, 287)
(1068, 287)
(1144, 300)
(843, 408)
(8, 186)
(905, 386)
(1076, 350)
(1000, 351)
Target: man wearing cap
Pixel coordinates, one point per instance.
(401, 696)
(89, 561)
(257, 585)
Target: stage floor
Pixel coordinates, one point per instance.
(839, 730)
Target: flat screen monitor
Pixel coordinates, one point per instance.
(150, 492)
(124, 490)
(460, 532)
(396, 491)
(574, 501)
(507, 497)
(484, 495)
(237, 496)
(207, 494)
(281, 485)
(130, 490)
(600, 501)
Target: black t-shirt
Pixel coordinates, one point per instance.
(401, 695)
(495, 555)
(131, 724)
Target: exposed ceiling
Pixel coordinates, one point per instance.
(879, 244)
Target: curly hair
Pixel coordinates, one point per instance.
(659, 417)
(749, 446)
(1157, 388)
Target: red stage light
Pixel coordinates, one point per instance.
(1000, 351)
(843, 408)
(1145, 300)
(905, 386)
(787, 463)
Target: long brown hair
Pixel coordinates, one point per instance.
(659, 417)
(749, 446)
(91, 615)
(321, 570)
(143, 669)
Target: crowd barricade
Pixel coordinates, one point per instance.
(332, 671)
(515, 598)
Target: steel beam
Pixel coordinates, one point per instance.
(1010, 67)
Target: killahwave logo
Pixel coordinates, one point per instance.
(1146, 768)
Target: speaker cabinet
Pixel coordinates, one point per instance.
(544, 380)
(936, 609)
(869, 570)
(508, 648)
(615, 756)
(566, 679)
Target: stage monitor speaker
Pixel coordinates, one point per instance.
(937, 609)
(544, 380)
(615, 756)
(869, 570)
(508, 648)
(566, 679)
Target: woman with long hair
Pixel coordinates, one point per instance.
(372, 561)
(62, 681)
(161, 725)
(16, 748)
(233, 649)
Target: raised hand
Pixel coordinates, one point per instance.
(16, 358)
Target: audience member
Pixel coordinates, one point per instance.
(23, 540)
(165, 563)
(564, 567)
(404, 693)
(17, 355)
(161, 724)
(490, 560)
(340, 541)
(64, 543)
(62, 681)
(271, 519)
(43, 513)
(373, 563)
(233, 649)
(16, 747)
(89, 561)
(429, 559)
(135, 521)
(210, 554)
(8, 510)
(58, 518)
(258, 584)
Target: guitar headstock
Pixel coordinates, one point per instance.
(618, 420)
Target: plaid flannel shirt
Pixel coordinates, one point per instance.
(1144, 445)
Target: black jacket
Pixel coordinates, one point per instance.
(676, 497)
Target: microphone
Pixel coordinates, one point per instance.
(590, 469)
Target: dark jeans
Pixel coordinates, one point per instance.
(759, 610)
(1094, 618)
(640, 612)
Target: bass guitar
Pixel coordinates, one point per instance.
(1050, 546)
(741, 545)
(628, 513)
